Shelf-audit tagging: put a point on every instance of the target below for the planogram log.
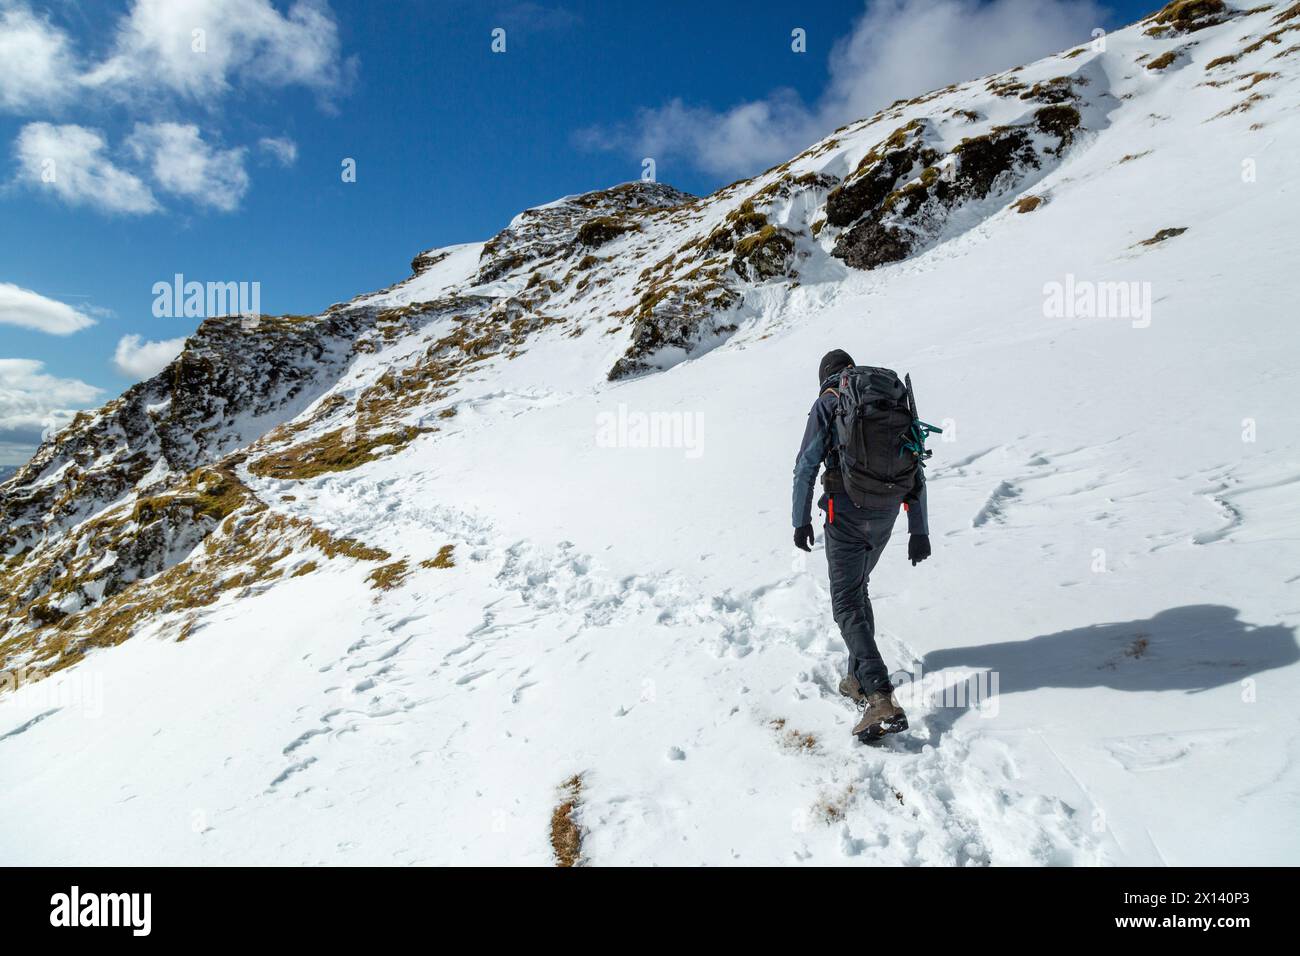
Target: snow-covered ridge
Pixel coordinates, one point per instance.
(406, 571)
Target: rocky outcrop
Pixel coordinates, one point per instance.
(232, 383)
(427, 260)
(905, 190)
(1187, 16)
(547, 233)
(764, 255)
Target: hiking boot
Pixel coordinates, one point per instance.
(880, 715)
(852, 689)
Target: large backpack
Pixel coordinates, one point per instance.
(878, 438)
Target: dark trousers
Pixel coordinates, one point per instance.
(855, 538)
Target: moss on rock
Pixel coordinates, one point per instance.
(1061, 120)
(603, 229)
(764, 254)
(1187, 16)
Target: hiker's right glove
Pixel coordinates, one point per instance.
(803, 537)
(918, 548)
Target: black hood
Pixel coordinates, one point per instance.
(833, 362)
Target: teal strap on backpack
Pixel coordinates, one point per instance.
(915, 440)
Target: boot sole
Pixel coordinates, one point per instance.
(883, 729)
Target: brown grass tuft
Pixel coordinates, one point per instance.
(566, 835)
(388, 576)
(443, 558)
(1162, 235)
(1164, 60)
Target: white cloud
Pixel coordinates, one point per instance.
(31, 310)
(33, 405)
(137, 359)
(282, 149)
(159, 51)
(73, 163)
(199, 49)
(70, 161)
(184, 165)
(37, 68)
(897, 49)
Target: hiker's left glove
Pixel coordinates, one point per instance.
(918, 548)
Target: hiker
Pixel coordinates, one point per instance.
(856, 533)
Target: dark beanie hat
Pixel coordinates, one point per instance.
(833, 361)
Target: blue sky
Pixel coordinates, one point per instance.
(218, 154)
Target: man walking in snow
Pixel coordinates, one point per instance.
(856, 534)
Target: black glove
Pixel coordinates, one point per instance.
(918, 548)
(803, 538)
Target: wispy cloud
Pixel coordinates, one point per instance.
(184, 165)
(896, 49)
(71, 163)
(31, 310)
(280, 148)
(138, 359)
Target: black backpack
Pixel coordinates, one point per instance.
(878, 438)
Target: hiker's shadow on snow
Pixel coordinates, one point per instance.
(1192, 649)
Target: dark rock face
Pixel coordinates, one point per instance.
(764, 255)
(1060, 121)
(984, 159)
(426, 261)
(899, 198)
(871, 244)
(878, 173)
(602, 229)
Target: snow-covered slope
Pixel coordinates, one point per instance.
(521, 540)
